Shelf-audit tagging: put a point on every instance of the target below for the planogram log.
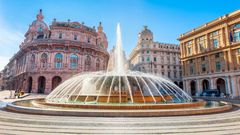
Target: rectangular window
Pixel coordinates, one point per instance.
(213, 34)
(58, 65)
(60, 36)
(162, 59)
(142, 59)
(155, 59)
(189, 50)
(215, 43)
(147, 51)
(175, 74)
(191, 61)
(217, 55)
(75, 37)
(201, 47)
(169, 74)
(203, 58)
(88, 39)
(73, 65)
(191, 70)
(148, 59)
(238, 50)
(155, 52)
(218, 66)
(237, 36)
(203, 68)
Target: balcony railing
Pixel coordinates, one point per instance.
(65, 42)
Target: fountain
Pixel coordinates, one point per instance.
(118, 85)
(117, 92)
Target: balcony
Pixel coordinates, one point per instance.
(63, 42)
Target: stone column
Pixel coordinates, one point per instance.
(227, 34)
(195, 47)
(48, 85)
(222, 40)
(207, 42)
(185, 86)
(237, 87)
(224, 36)
(234, 84)
(209, 64)
(211, 83)
(51, 60)
(199, 90)
(34, 84)
(181, 50)
(228, 88)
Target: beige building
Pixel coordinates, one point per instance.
(210, 55)
(157, 58)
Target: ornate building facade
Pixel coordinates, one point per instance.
(52, 54)
(157, 58)
(210, 55)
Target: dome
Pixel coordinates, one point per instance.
(38, 25)
(146, 33)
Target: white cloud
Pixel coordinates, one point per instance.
(10, 39)
(9, 36)
(3, 62)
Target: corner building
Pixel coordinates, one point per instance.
(157, 58)
(51, 54)
(210, 55)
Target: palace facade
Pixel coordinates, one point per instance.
(156, 58)
(51, 54)
(210, 55)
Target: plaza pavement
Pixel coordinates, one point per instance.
(17, 123)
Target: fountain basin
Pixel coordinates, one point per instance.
(38, 106)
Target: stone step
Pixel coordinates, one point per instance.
(122, 131)
(178, 118)
(4, 114)
(217, 125)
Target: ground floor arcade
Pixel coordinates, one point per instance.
(226, 83)
(37, 83)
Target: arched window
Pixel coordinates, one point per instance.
(44, 60)
(87, 63)
(32, 61)
(73, 61)
(58, 60)
(97, 64)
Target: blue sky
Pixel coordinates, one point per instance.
(166, 18)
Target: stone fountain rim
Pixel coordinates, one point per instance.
(118, 113)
